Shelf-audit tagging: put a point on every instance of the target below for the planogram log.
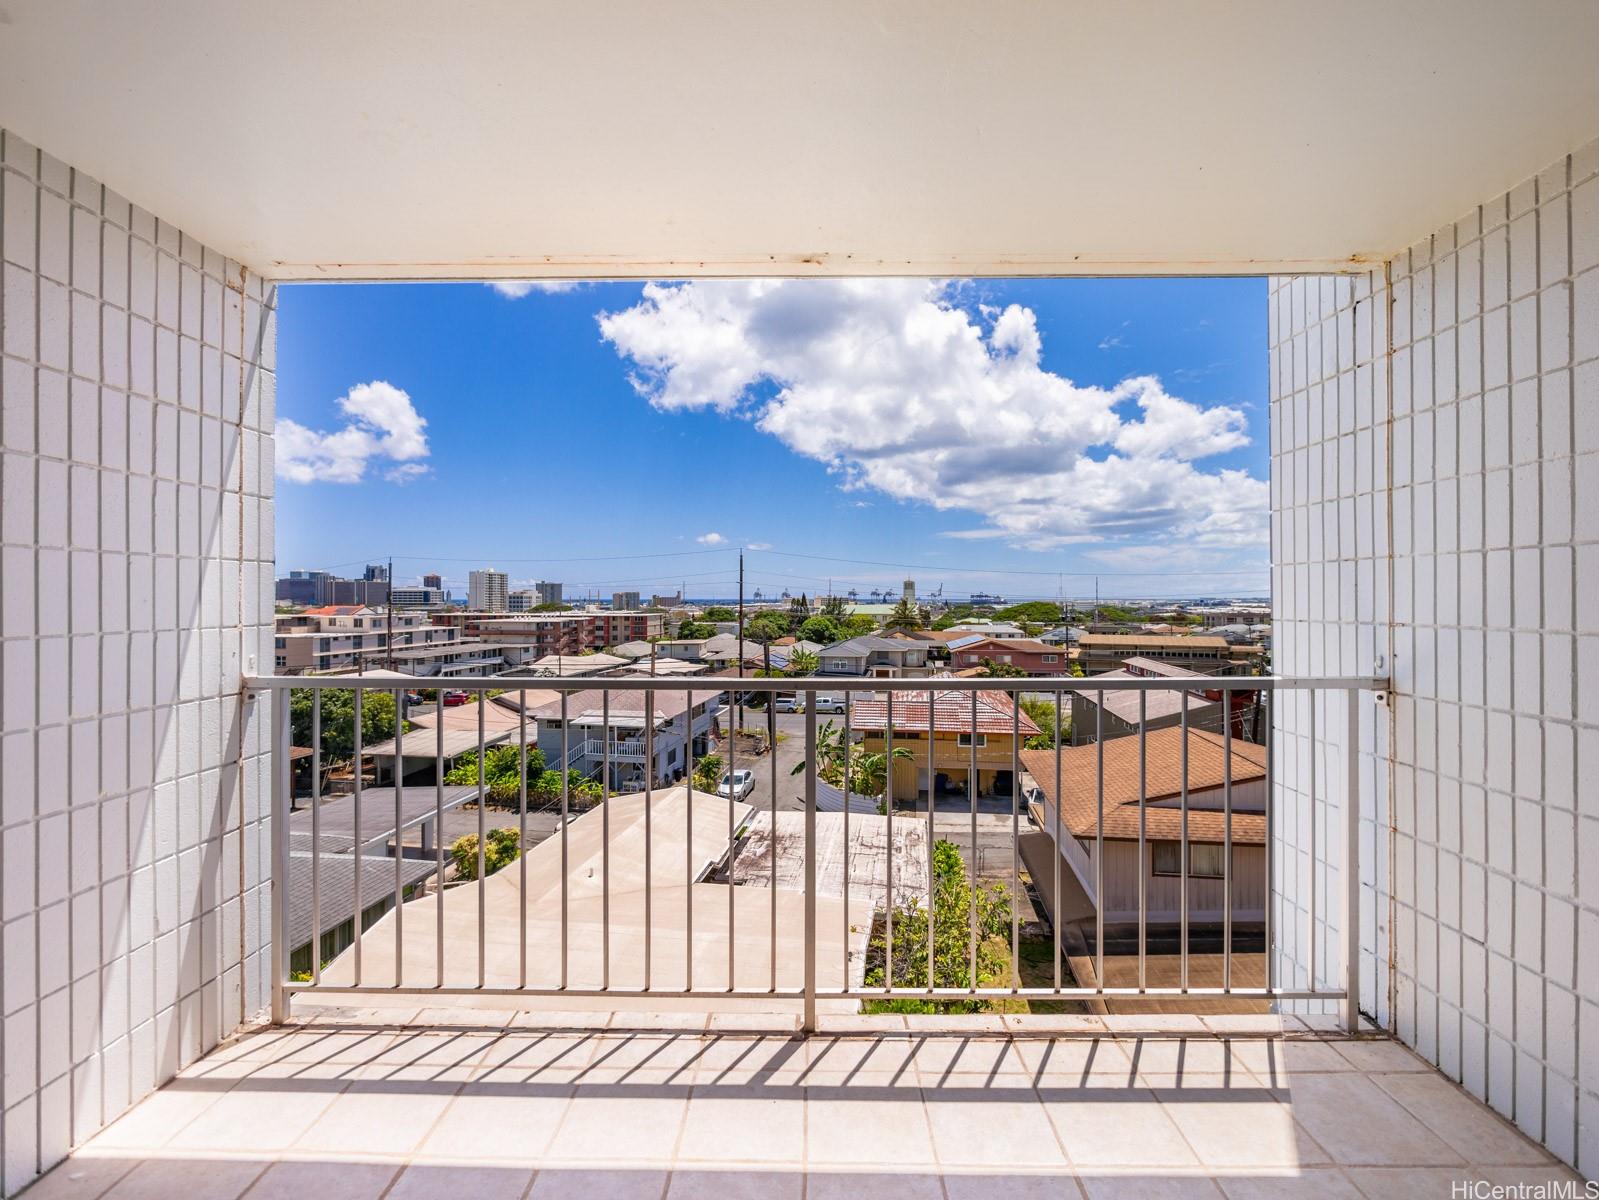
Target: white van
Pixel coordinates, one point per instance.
(788, 704)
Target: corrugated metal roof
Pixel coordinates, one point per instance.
(951, 710)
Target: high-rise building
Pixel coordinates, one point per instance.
(488, 590)
(548, 593)
(909, 590)
(376, 573)
(625, 600)
(434, 581)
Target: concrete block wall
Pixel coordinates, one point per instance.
(136, 409)
(1485, 936)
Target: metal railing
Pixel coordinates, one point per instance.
(648, 924)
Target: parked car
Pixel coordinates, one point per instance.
(412, 698)
(831, 704)
(453, 698)
(737, 785)
(788, 704)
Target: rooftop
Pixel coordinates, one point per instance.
(952, 711)
(1163, 764)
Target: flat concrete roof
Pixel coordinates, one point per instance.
(609, 842)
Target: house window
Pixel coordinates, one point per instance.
(1049, 658)
(1205, 859)
(965, 739)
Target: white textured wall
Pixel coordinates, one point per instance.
(135, 562)
(1483, 848)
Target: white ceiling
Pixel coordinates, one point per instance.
(643, 137)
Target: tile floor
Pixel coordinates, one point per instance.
(361, 1106)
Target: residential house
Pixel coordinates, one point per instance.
(993, 629)
(873, 655)
(1027, 654)
(957, 739)
(724, 650)
(937, 641)
(580, 740)
(1073, 798)
(682, 649)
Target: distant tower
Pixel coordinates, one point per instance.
(436, 582)
(909, 590)
(488, 590)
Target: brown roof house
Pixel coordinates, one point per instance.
(1071, 795)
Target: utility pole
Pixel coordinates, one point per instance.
(389, 606)
(739, 649)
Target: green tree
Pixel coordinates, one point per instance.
(719, 612)
(338, 720)
(868, 771)
(696, 629)
(803, 662)
(708, 772)
(856, 625)
(823, 630)
(1045, 612)
(551, 607)
(997, 670)
(835, 608)
(1042, 713)
(501, 772)
(766, 626)
(500, 847)
(952, 902)
(906, 616)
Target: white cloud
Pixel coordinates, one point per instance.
(383, 425)
(710, 539)
(515, 289)
(897, 388)
(759, 546)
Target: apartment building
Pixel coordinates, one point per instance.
(487, 590)
(1099, 652)
(417, 597)
(613, 627)
(624, 600)
(1419, 181)
(341, 637)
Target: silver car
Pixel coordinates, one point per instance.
(737, 785)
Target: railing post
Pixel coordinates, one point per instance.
(1350, 1008)
(281, 786)
(808, 1024)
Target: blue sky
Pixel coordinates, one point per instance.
(985, 433)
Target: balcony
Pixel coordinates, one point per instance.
(717, 978)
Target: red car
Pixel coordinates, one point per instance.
(451, 699)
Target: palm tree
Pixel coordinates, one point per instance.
(803, 662)
(868, 773)
(905, 616)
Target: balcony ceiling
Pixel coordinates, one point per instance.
(501, 138)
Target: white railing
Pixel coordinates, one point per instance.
(590, 961)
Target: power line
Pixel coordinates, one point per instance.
(936, 567)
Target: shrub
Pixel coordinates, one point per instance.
(500, 848)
